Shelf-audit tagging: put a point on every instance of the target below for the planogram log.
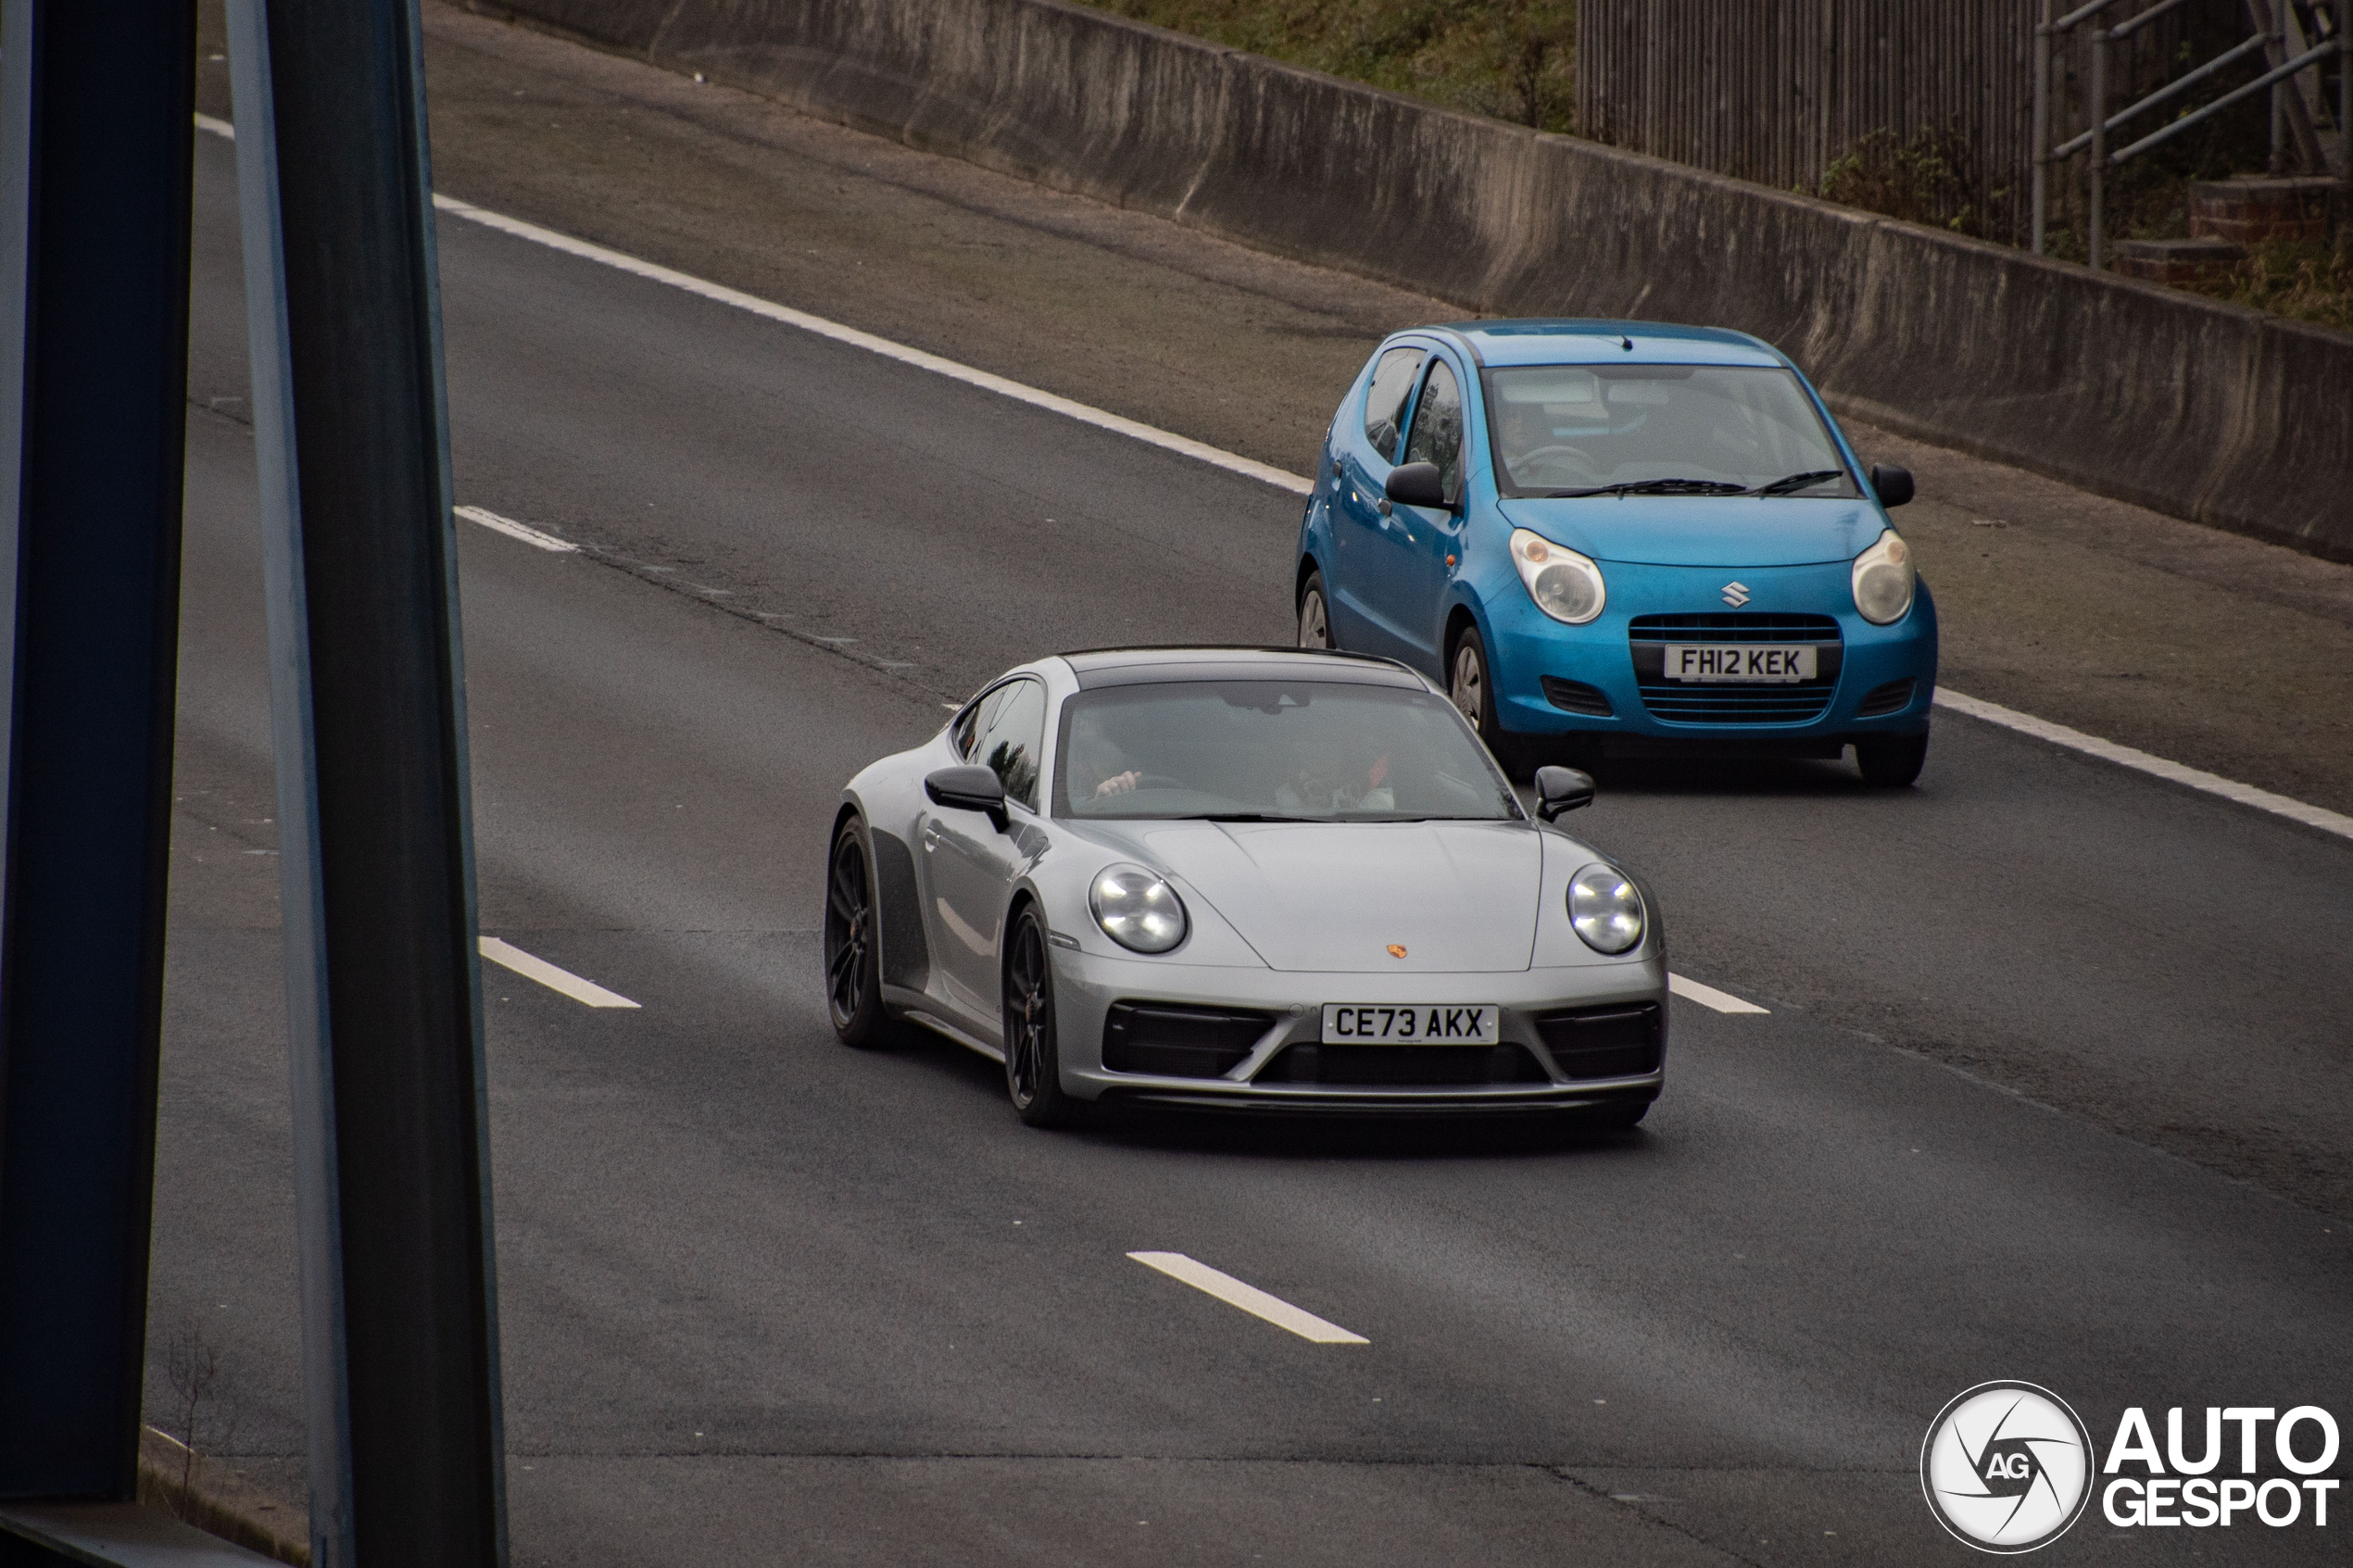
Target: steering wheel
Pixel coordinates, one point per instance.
(1559, 453)
(1159, 781)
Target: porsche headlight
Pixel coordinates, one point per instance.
(1604, 910)
(1565, 584)
(1137, 910)
(1883, 580)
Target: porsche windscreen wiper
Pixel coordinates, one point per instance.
(1655, 487)
(1243, 817)
(1788, 483)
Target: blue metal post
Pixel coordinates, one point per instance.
(96, 105)
(400, 1349)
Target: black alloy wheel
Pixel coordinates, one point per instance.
(854, 983)
(1892, 763)
(1315, 614)
(1033, 1062)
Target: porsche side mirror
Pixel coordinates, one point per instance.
(1418, 484)
(1894, 485)
(968, 787)
(1562, 789)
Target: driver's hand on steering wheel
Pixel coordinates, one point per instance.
(1119, 784)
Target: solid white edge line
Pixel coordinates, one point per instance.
(1249, 1297)
(2141, 761)
(514, 530)
(1298, 484)
(548, 975)
(1709, 997)
(1199, 451)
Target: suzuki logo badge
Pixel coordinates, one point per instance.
(1735, 593)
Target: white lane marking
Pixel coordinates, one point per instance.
(1298, 484)
(2156, 767)
(548, 975)
(1709, 995)
(1249, 1297)
(514, 530)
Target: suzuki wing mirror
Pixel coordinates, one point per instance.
(1418, 484)
(1894, 485)
(968, 787)
(1562, 789)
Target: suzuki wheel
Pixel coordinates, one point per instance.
(1314, 615)
(1471, 685)
(1892, 763)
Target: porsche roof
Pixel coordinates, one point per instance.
(1129, 667)
(1583, 341)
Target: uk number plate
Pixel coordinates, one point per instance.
(1400, 1025)
(1740, 662)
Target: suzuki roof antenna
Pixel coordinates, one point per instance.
(1627, 344)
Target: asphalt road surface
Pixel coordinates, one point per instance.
(2053, 1084)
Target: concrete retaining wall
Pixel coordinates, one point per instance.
(2204, 410)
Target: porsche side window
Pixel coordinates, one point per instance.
(964, 729)
(1385, 400)
(1438, 427)
(1013, 738)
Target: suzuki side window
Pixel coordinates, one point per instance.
(1012, 741)
(1438, 428)
(1385, 399)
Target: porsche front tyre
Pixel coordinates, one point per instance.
(1033, 1059)
(853, 980)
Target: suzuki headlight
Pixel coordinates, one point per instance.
(1137, 908)
(1606, 911)
(1565, 584)
(1883, 580)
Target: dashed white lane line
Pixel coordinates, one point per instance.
(548, 975)
(1709, 995)
(514, 530)
(1249, 1297)
(2156, 767)
(1266, 473)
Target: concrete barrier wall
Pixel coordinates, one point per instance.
(2204, 410)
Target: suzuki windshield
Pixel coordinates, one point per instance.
(1661, 430)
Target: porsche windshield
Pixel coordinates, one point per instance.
(1271, 751)
(1679, 429)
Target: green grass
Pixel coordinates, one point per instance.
(1511, 60)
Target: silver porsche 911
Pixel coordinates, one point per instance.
(1242, 878)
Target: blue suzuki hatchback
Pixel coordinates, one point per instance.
(1616, 536)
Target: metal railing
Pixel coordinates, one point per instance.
(2276, 32)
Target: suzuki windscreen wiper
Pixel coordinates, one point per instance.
(1655, 487)
(1788, 483)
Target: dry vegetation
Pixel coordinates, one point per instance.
(1513, 59)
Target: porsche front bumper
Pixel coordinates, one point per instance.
(1089, 985)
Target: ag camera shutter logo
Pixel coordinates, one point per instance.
(2006, 1467)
